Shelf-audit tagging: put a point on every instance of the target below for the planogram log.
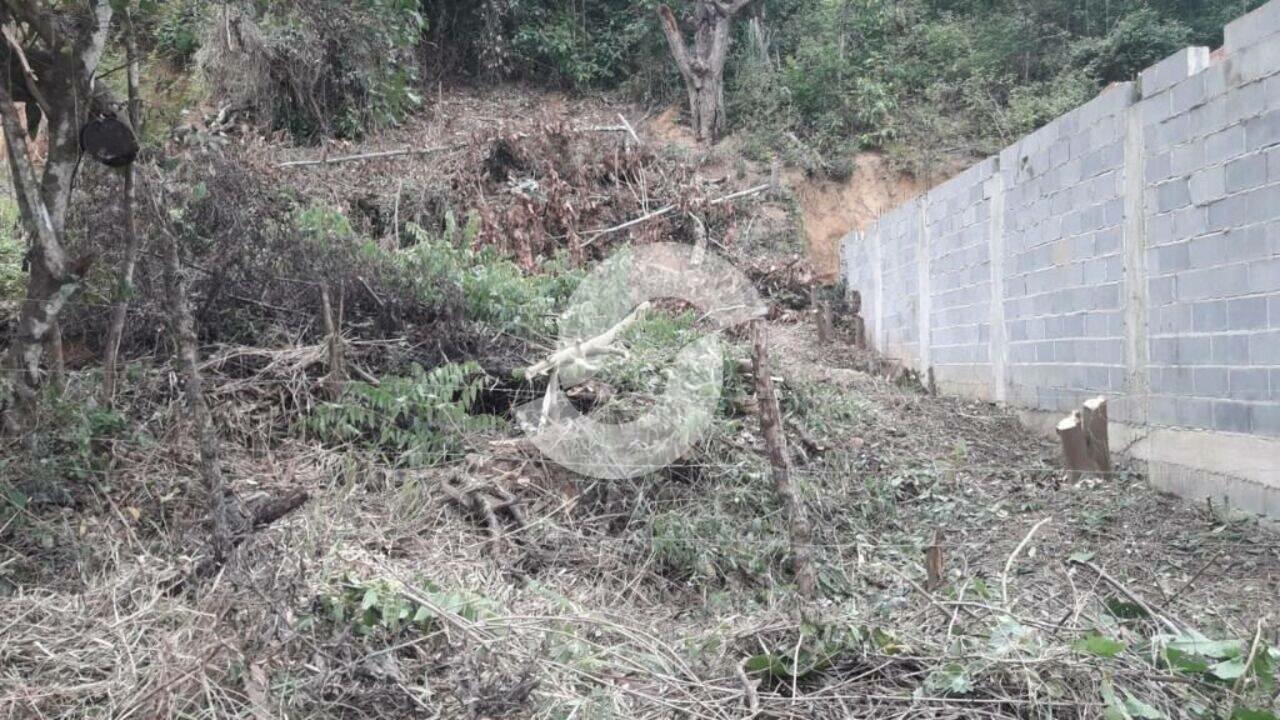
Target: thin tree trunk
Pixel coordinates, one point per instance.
(1094, 417)
(776, 444)
(124, 287)
(227, 519)
(46, 294)
(124, 290)
(1075, 451)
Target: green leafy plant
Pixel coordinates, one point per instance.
(817, 648)
(377, 606)
(177, 27)
(495, 290)
(420, 419)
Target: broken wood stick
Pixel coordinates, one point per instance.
(337, 376)
(580, 352)
(1133, 597)
(373, 155)
(776, 443)
(1094, 418)
(630, 130)
(592, 235)
(933, 563)
(1075, 450)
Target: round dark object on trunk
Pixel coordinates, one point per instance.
(108, 141)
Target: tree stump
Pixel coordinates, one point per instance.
(1094, 418)
(1075, 450)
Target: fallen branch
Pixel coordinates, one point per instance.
(1133, 597)
(748, 687)
(267, 511)
(259, 514)
(593, 235)
(580, 352)
(1008, 564)
(374, 155)
(630, 130)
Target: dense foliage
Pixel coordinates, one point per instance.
(931, 78)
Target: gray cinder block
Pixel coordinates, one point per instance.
(1248, 384)
(1209, 316)
(1231, 416)
(1247, 313)
(1252, 28)
(1265, 419)
(1173, 70)
(1262, 131)
(1210, 382)
(1246, 173)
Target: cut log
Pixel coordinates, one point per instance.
(1075, 451)
(1094, 417)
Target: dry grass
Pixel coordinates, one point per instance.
(660, 597)
(586, 613)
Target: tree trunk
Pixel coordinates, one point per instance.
(46, 293)
(57, 358)
(702, 66)
(1075, 452)
(64, 84)
(776, 444)
(124, 290)
(124, 287)
(227, 518)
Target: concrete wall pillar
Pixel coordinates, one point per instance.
(1138, 383)
(999, 349)
(924, 287)
(877, 291)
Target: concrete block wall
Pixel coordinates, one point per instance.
(1064, 269)
(1130, 248)
(1212, 214)
(958, 275)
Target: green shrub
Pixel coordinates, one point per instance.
(1137, 40)
(495, 290)
(317, 67)
(377, 606)
(177, 27)
(422, 419)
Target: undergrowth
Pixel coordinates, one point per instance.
(421, 419)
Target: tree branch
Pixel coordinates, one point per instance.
(679, 50)
(47, 248)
